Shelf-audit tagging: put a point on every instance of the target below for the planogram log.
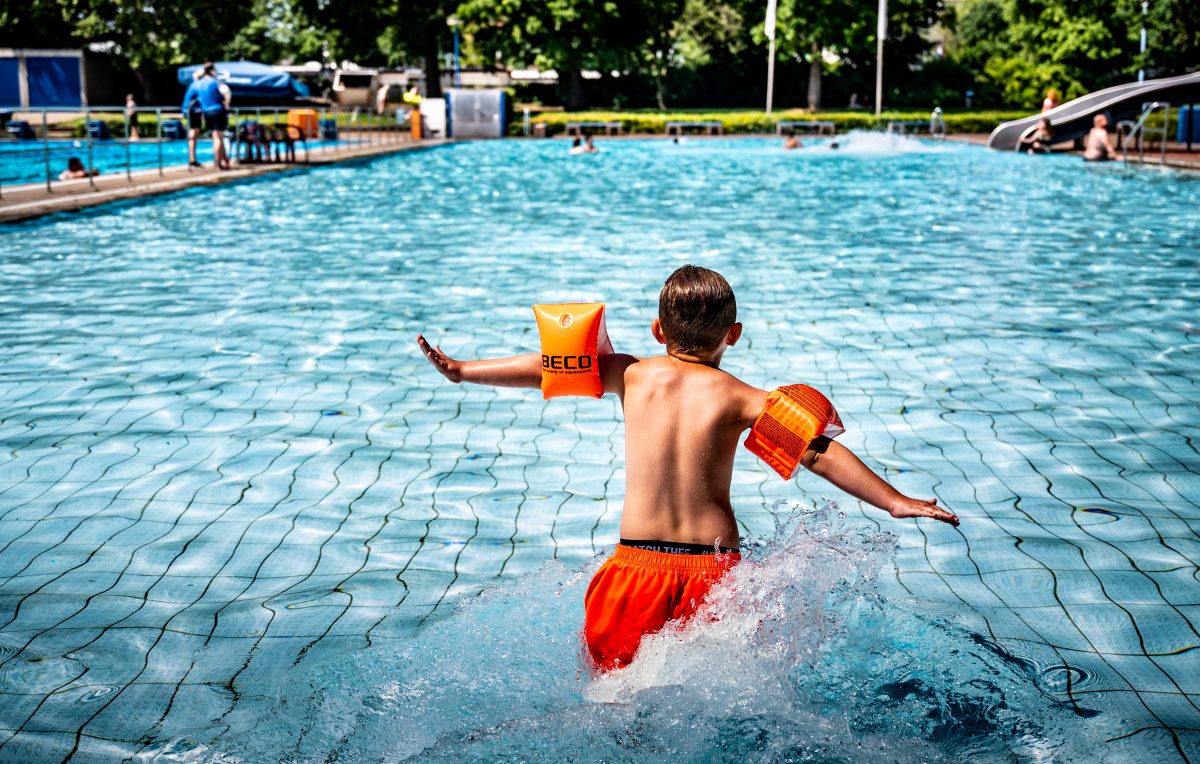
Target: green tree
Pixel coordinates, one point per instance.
(386, 32)
(37, 23)
(1173, 28)
(815, 31)
(278, 31)
(568, 36)
(155, 34)
(1021, 48)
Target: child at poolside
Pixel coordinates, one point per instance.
(684, 417)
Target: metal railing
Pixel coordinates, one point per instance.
(35, 150)
(1139, 129)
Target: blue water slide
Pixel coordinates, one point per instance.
(1073, 119)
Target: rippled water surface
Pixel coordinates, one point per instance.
(241, 519)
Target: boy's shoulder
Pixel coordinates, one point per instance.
(722, 386)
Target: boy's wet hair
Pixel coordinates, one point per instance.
(696, 307)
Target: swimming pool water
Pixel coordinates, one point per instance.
(239, 513)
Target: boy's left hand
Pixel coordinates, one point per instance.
(906, 507)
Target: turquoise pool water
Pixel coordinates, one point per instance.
(241, 519)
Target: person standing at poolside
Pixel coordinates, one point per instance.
(193, 115)
(212, 99)
(1096, 146)
(381, 98)
(131, 118)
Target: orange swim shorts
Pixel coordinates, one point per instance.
(637, 591)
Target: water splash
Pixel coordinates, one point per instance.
(871, 143)
(797, 655)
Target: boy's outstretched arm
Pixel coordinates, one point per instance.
(515, 371)
(838, 464)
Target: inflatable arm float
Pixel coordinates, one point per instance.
(793, 417)
(573, 338)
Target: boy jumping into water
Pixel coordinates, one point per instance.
(684, 418)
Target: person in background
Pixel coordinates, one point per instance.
(854, 103)
(381, 98)
(1039, 142)
(131, 118)
(75, 170)
(193, 115)
(589, 147)
(1096, 146)
(1051, 101)
(577, 146)
(212, 99)
(791, 141)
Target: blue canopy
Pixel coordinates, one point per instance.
(248, 79)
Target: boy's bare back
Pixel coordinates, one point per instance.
(683, 423)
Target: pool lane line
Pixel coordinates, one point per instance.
(421, 474)
(491, 401)
(1101, 655)
(383, 521)
(167, 532)
(103, 630)
(210, 578)
(346, 737)
(928, 373)
(1133, 565)
(162, 630)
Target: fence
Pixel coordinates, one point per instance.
(35, 148)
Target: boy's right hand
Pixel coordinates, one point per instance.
(906, 507)
(450, 368)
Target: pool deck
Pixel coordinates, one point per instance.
(34, 200)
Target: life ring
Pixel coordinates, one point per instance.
(573, 338)
(793, 416)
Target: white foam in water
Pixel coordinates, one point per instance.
(869, 142)
(796, 656)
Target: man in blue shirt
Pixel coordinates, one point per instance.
(208, 97)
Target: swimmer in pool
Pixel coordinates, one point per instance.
(791, 141)
(1096, 146)
(684, 417)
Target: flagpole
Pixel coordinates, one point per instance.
(769, 30)
(771, 76)
(880, 33)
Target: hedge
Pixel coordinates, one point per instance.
(752, 122)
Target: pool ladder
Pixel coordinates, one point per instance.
(1139, 129)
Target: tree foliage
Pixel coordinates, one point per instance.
(1018, 49)
(687, 52)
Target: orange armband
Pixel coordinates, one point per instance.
(573, 338)
(793, 416)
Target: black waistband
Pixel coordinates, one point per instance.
(675, 547)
